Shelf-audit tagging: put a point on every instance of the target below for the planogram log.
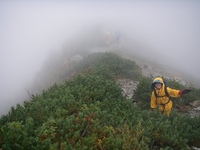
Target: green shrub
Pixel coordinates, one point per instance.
(142, 94)
(113, 63)
(89, 112)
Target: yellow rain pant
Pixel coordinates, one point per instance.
(166, 109)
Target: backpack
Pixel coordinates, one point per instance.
(165, 88)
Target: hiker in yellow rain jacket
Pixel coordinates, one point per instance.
(161, 96)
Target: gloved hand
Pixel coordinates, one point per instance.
(185, 91)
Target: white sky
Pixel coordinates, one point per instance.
(29, 30)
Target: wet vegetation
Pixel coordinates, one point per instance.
(88, 111)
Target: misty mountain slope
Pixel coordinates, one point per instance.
(76, 64)
(88, 111)
(60, 66)
(64, 70)
(86, 53)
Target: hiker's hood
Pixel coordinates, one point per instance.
(158, 80)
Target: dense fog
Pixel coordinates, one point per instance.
(31, 31)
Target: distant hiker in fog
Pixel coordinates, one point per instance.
(112, 37)
(117, 36)
(108, 38)
(161, 95)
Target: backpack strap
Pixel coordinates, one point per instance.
(166, 94)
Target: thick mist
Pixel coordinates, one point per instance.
(30, 31)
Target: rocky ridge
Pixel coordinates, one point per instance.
(148, 70)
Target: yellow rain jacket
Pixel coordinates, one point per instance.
(162, 100)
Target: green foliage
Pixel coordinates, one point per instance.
(189, 128)
(89, 112)
(142, 94)
(112, 63)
